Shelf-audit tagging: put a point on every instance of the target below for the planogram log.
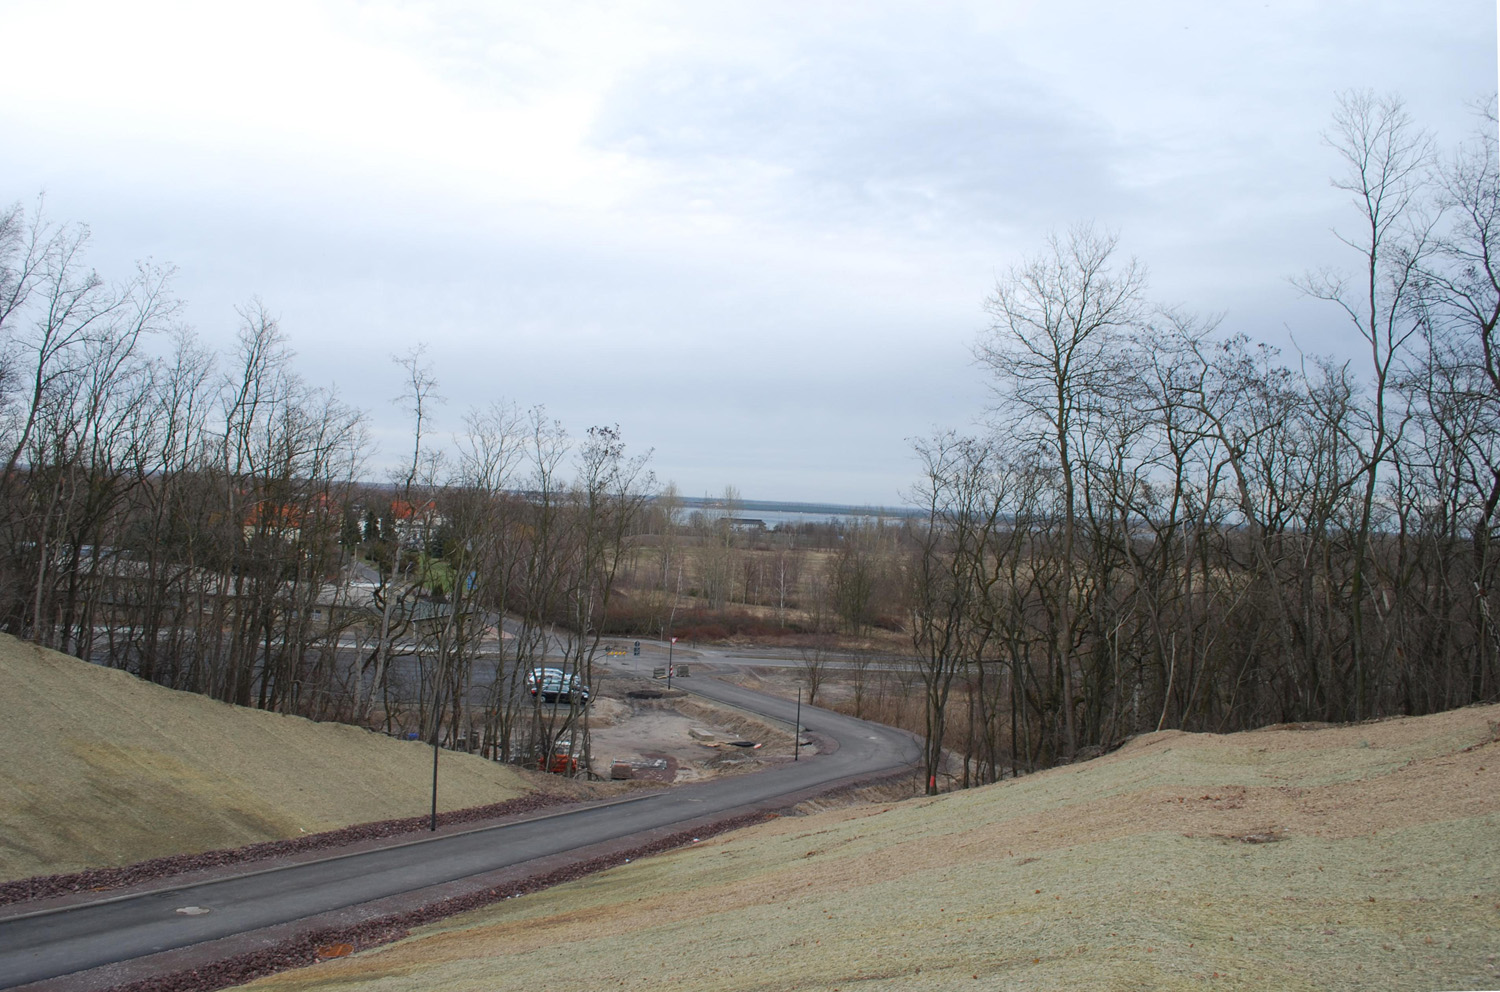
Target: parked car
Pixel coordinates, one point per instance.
(553, 685)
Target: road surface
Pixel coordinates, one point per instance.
(38, 947)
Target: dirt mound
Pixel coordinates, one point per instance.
(103, 769)
(1349, 857)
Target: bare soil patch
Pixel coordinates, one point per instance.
(643, 725)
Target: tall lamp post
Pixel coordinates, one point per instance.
(437, 730)
(437, 723)
(797, 730)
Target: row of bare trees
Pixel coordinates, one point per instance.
(826, 578)
(517, 574)
(198, 519)
(1170, 527)
(157, 484)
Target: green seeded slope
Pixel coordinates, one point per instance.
(99, 768)
(1358, 857)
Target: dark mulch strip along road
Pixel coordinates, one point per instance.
(302, 950)
(105, 879)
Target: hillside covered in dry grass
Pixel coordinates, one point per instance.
(1353, 857)
(101, 769)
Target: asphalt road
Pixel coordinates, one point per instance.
(60, 943)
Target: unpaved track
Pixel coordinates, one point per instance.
(98, 934)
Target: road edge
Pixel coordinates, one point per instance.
(229, 961)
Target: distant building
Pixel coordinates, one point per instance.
(415, 522)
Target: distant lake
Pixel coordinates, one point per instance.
(774, 512)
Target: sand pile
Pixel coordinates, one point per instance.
(1355, 857)
(102, 769)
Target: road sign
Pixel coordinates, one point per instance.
(637, 648)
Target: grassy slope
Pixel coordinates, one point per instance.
(100, 768)
(1378, 866)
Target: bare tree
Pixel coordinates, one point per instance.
(1457, 384)
(1386, 168)
(611, 491)
(949, 577)
(668, 565)
(852, 578)
(486, 548)
(717, 550)
(418, 394)
(859, 679)
(814, 669)
(786, 575)
(1052, 346)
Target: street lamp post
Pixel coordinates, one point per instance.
(797, 730)
(437, 722)
(437, 730)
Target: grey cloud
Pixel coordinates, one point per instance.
(937, 132)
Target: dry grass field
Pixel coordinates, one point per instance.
(1338, 858)
(102, 769)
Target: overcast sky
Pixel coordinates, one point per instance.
(755, 235)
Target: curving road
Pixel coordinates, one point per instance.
(61, 942)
